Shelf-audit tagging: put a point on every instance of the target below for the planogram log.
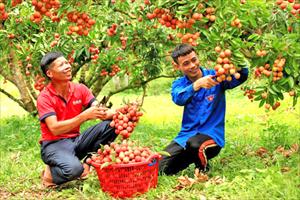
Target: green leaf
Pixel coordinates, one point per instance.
(105, 164)
(258, 98)
(288, 70)
(205, 33)
(275, 89)
(291, 82)
(271, 100)
(295, 100)
(252, 22)
(254, 37)
(271, 91)
(164, 153)
(262, 103)
(282, 81)
(280, 95)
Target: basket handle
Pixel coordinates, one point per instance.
(153, 159)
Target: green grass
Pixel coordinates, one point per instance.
(245, 175)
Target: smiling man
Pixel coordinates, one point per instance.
(61, 111)
(202, 130)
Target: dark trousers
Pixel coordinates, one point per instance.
(199, 149)
(63, 156)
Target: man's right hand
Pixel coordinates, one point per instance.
(94, 112)
(206, 82)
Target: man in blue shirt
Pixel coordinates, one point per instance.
(202, 131)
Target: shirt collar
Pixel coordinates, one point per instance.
(51, 88)
(204, 73)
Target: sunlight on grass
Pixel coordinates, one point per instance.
(7, 106)
(245, 175)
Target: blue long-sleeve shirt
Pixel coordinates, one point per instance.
(204, 110)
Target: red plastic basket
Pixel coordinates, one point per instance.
(128, 180)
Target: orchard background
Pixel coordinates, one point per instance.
(122, 48)
(132, 40)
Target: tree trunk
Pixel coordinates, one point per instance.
(20, 82)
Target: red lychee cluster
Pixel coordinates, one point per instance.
(126, 119)
(167, 19)
(3, 13)
(45, 8)
(114, 70)
(224, 68)
(274, 107)
(94, 52)
(55, 41)
(209, 14)
(123, 40)
(189, 38)
(265, 70)
(71, 57)
(249, 93)
(261, 53)
(277, 69)
(236, 23)
(112, 30)
(39, 82)
(83, 23)
(15, 2)
(295, 10)
(123, 153)
(11, 36)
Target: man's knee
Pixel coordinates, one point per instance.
(105, 127)
(105, 123)
(193, 144)
(73, 170)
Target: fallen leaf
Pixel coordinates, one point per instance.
(280, 149)
(200, 176)
(202, 197)
(295, 147)
(217, 180)
(184, 182)
(178, 187)
(287, 153)
(261, 152)
(285, 169)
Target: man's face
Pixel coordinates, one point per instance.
(189, 65)
(60, 70)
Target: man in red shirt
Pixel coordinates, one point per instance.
(60, 106)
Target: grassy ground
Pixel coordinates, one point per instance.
(242, 173)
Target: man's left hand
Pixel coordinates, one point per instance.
(107, 113)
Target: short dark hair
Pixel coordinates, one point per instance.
(48, 58)
(181, 50)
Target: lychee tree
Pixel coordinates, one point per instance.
(133, 39)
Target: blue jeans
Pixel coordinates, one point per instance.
(63, 156)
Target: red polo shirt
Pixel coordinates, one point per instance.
(49, 103)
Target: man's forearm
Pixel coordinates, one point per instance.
(183, 95)
(61, 127)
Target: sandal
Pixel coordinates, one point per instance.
(86, 171)
(47, 182)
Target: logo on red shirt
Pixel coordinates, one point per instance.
(75, 102)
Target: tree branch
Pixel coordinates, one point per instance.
(13, 98)
(144, 94)
(111, 93)
(4, 73)
(30, 88)
(125, 13)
